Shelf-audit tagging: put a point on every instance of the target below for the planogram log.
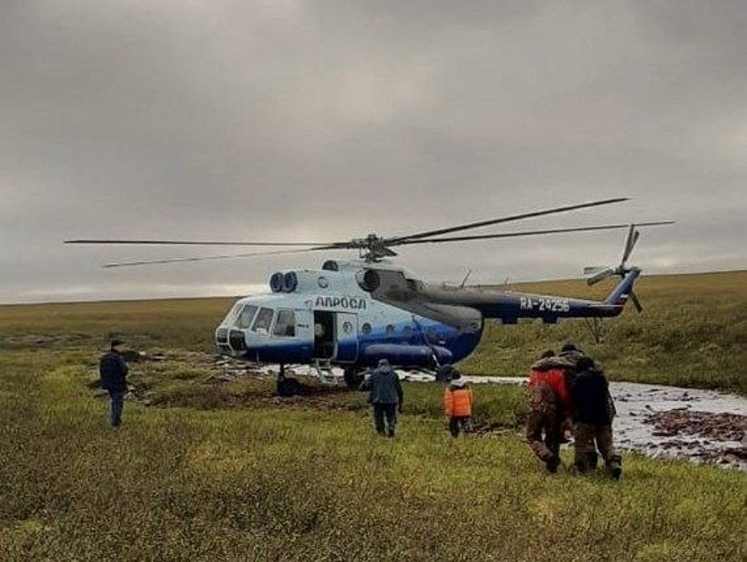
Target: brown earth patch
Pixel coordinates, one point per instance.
(325, 399)
(720, 427)
(708, 427)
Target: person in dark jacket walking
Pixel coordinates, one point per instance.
(593, 411)
(386, 397)
(113, 370)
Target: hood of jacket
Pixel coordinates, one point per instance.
(458, 383)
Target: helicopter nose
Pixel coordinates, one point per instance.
(228, 340)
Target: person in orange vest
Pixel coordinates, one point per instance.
(549, 408)
(458, 401)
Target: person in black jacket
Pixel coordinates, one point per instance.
(113, 370)
(593, 411)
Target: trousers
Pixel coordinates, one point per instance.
(587, 439)
(116, 406)
(460, 423)
(543, 431)
(384, 412)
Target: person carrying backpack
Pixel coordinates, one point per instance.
(593, 411)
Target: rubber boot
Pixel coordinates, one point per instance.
(552, 463)
(592, 460)
(615, 468)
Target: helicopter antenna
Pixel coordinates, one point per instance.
(461, 285)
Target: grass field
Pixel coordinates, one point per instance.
(226, 472)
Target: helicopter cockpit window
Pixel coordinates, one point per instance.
(263, 320)
(244, 319)
(285, 325)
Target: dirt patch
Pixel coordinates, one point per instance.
(313, 398)
(721, 427)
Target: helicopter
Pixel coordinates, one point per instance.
(351, 314)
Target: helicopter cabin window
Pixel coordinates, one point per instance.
(263, 320)
(285, 325)
(244, 319)
(232, 316)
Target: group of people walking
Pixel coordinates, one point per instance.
(569, 396)
(568, 392)
(386, 396)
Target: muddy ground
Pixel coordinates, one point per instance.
(701, 425)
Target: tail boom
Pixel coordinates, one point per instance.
(509, 306)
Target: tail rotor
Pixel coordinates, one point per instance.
(596, 274)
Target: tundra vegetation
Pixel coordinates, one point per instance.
(205, 471)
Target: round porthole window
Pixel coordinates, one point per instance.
(366, 328)
(347, 327)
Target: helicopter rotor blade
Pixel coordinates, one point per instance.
(591, 270)
(214, 257)
(630, 243)
(599, 276)
(528, 233)
(428, 234)
(353, 244)
(192, 242)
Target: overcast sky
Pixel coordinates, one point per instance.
(288, 120)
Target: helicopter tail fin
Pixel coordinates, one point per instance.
(623, 291)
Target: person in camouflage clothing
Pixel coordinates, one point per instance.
(549, 407)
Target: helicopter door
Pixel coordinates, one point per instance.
(346, 346)
(324, 334)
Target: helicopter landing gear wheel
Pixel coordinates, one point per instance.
(353, 378)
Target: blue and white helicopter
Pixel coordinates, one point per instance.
(351, 314)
